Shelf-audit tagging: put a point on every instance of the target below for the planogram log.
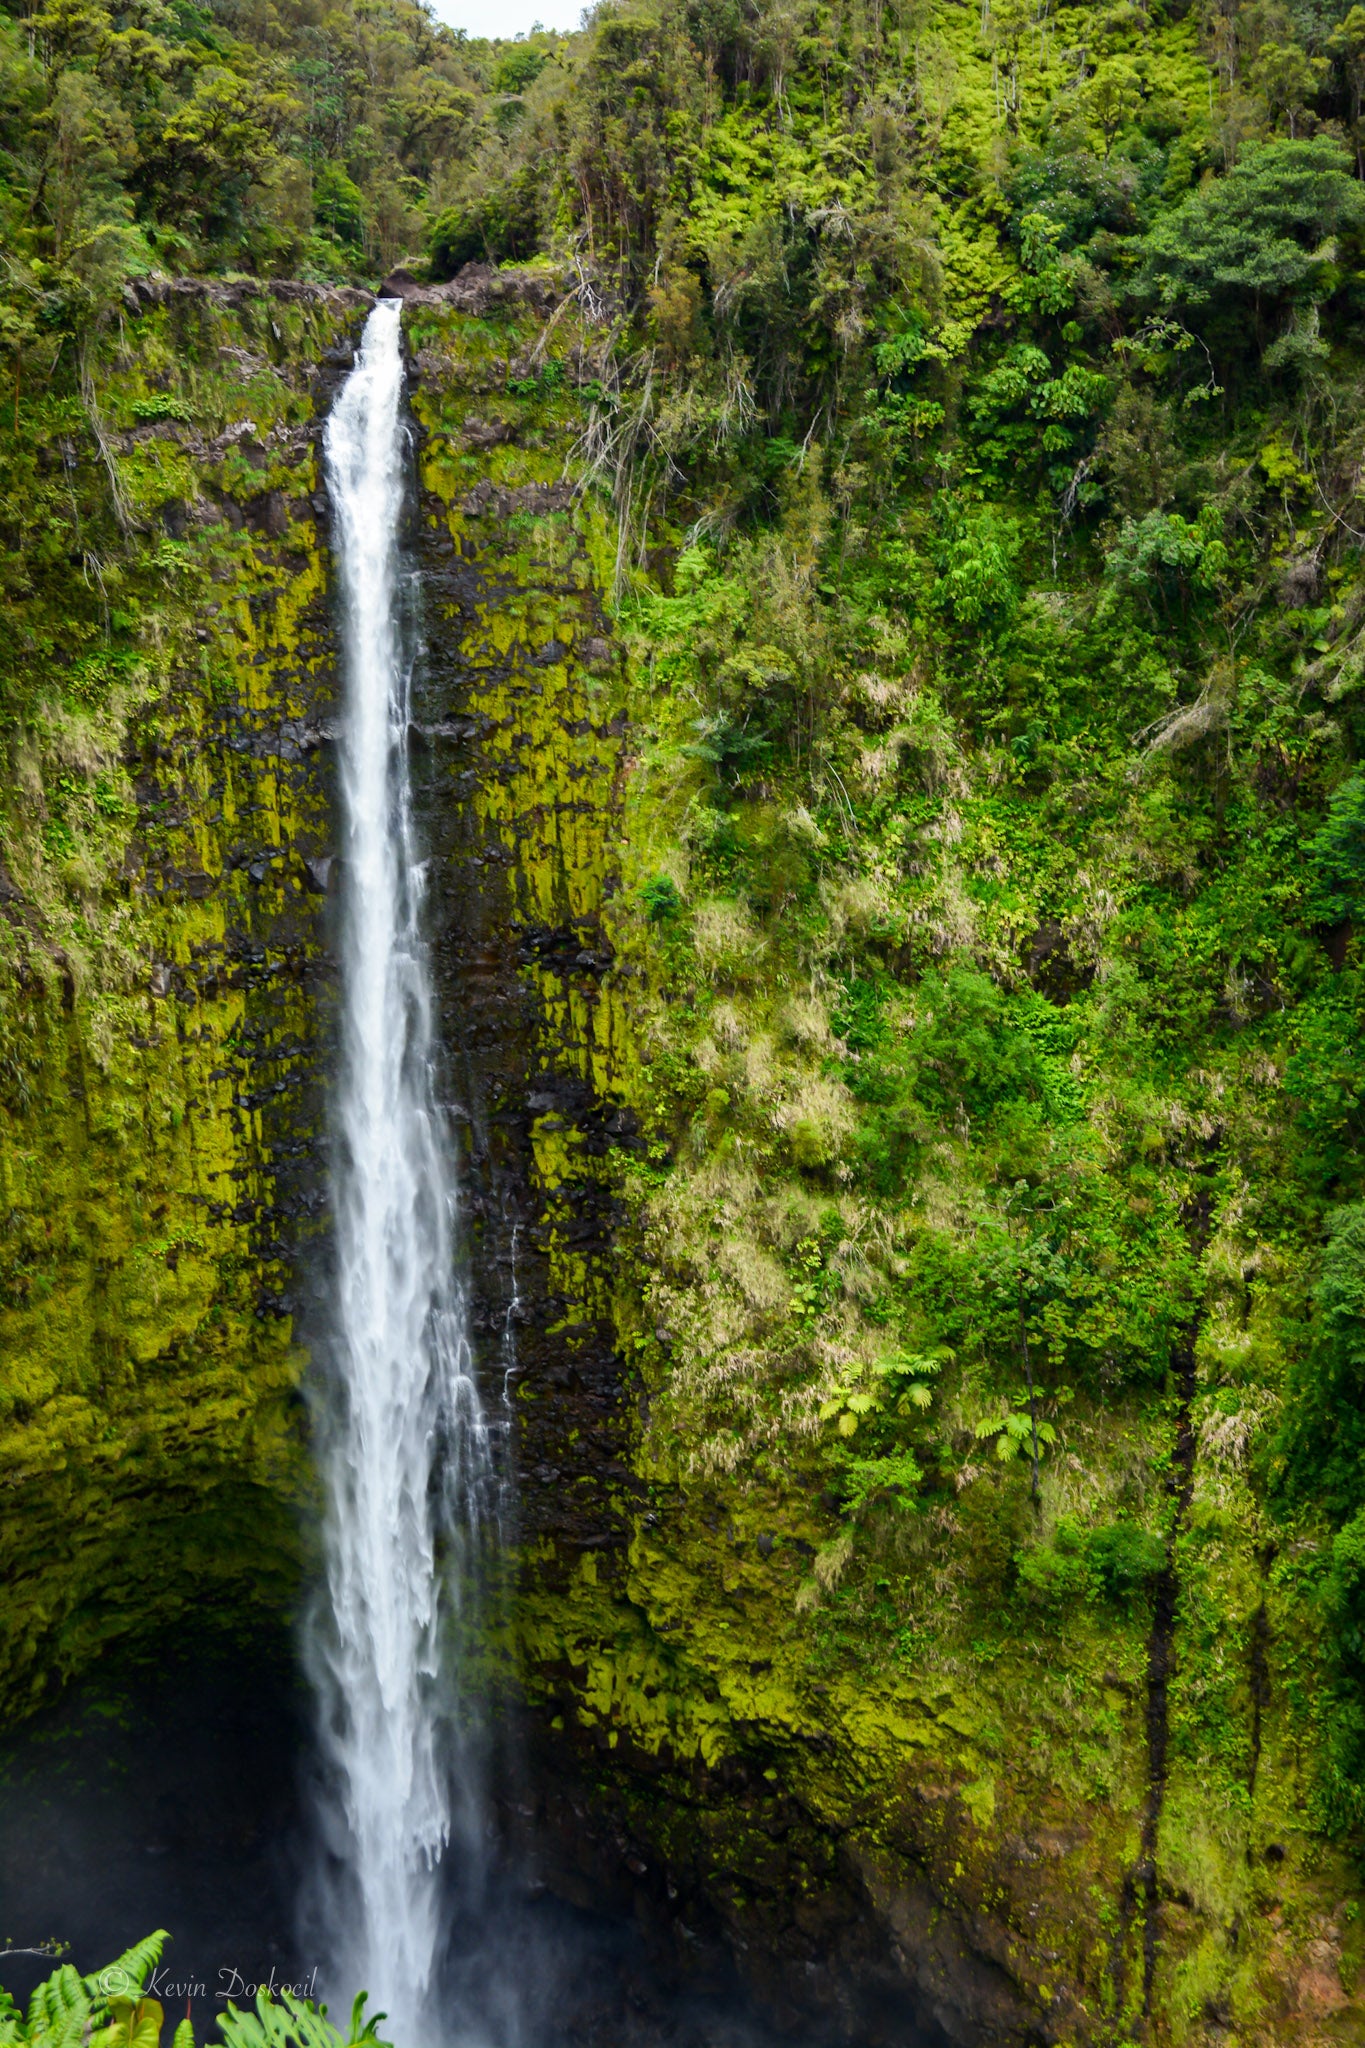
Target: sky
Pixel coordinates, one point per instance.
(508, 17)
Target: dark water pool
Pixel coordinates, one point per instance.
(167, 1794)
(164, 1794)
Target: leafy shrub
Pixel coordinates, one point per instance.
(1324, 1437)
(1057, 1574)
(1255, 233)
(1165, 556)
(1325, 1080)
(896, 1475)
(1117, 1561)
(161, 405)
(660, 898)
(859, 1016)
(1072, 187)
(735, 746)
(1337, 854)
(975, 556)
(967, 1047)
(883, 1398)
(1124, 1558)
(1348, 1578)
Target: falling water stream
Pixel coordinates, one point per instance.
(405, 1448)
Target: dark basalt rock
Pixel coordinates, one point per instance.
(478, 288)
(238, 292)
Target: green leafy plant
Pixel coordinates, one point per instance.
(68, 2010)
(975, 554)
(292, 2022)
(897, 1384)
(897, 1475)
(108, 2009)
(1124, 1558)
(660, 898)
(1116, 1561)
(1337, 853)
(1255, 233)
(160, 406)
(1170, 558)
(1014, 1430)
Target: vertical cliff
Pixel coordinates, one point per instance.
(519, 782)
(893, 1769)
(166, 842)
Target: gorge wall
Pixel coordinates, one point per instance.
(939, 1764)
(984, 1816)
(167, 984)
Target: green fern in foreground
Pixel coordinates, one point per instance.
(109, 2010)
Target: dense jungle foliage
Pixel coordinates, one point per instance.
(980, 395)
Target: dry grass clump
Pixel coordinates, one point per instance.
(817, 1118)
(761, 1280)
(728, 1027)
(803, 1022)
(860, 904)
(727, 942)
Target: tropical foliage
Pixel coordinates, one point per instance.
(114, 2008)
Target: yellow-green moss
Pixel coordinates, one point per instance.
(148, 1437)
(1012, 1779)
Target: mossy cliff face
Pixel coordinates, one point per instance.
(517, 773)
(165, 845)
(1017, 1826)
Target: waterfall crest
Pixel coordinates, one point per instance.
(404, 1445)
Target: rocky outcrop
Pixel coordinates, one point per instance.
(234, 294)
(480, 288)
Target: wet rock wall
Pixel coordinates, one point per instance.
(160, 1114)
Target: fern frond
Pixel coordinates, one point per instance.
(59, 2010)
(293, 2022)
(126, 1975)
(369, 2030)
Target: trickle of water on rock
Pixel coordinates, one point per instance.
(405, 1449)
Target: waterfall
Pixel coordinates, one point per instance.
(405, 1450)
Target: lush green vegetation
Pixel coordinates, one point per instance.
(159, 139)
(301, 141)
(115, 2008)
(994, 382)
(305, 142)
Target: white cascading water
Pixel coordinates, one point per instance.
(405, 1449)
